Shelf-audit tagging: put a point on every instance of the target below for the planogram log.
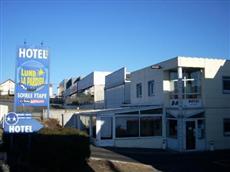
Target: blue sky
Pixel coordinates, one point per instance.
(105, 35)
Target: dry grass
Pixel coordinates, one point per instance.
(109, 166)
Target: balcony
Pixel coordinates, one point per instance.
(191, 88)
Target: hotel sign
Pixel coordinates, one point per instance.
(20, 123)
(32, 77)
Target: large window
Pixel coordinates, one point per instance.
(227, 127)
(226, 84)
(151, 88)
(139, 90)
(191, 82)
(127, 127)
(172, 128)
(151, 126)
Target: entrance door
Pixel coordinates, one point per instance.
(190, 135)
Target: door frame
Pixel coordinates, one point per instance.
(196, 133)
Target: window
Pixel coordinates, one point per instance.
(127, 127)
(139, 90)
(227, 127)
(226, 84)
(151, 88)
(151, 126)
(172, 128)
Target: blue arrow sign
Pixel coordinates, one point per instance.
(21, 123)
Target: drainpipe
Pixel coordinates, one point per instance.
(180, 128)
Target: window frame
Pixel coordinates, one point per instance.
(226, 133)
(223, 79)
(139, 94)
(151, 88)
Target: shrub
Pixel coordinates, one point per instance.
(52, 149)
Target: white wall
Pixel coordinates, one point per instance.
(7, 87)
(215, 128)
(114, 97)
(3, 111)
(143, 76)
(116, 78)
(94, 78)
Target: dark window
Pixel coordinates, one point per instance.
(69, 83)
(127, 127)
(227, 127)
(151, 126)
(226, 84)
(172, 128)
(139, 90)
(151, 88)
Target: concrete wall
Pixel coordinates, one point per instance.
(68, 118)
(213, 95)
(155, 142)
(114, 97)
(143, 76)
(215, 128)
(116, 78)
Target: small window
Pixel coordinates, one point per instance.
(226, 84)
(139, 90)
(151, 88)
(227, 127)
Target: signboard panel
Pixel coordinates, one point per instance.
(32, 77)
(21, 123)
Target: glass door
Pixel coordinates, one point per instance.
(190, 135)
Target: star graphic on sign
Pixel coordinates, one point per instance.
(40, 72)
(11, 118)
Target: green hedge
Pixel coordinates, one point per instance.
(51, 149)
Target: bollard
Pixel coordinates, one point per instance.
(211, 143)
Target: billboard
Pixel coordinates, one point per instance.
(32, 77)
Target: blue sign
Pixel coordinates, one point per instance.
(21, 123)
(32, 77)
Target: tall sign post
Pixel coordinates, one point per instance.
(32, 77)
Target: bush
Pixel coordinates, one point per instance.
(51, 149)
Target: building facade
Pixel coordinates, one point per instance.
(117, 89)
(180, 104)
(7, 87)
(194, 93)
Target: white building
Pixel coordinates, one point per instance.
(92, 86)
(117, 89)
(61, 88)
(181, 104)
(7, 87)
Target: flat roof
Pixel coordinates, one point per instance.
(118, 110)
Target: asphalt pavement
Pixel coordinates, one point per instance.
(167, 160)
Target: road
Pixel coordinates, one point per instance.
(168, 161)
